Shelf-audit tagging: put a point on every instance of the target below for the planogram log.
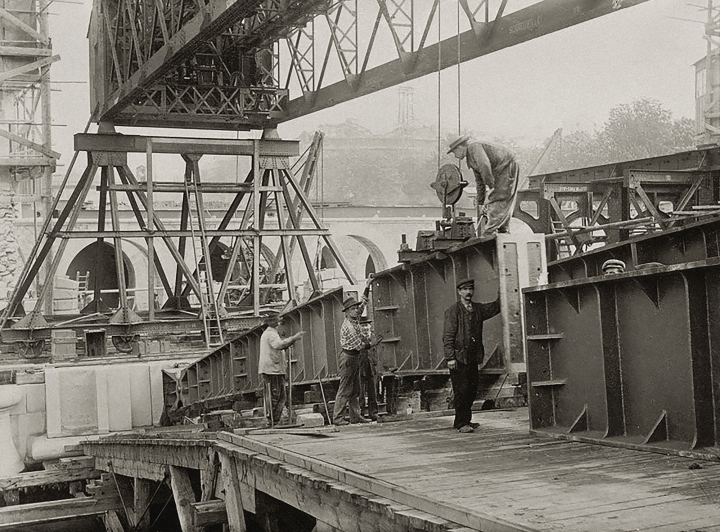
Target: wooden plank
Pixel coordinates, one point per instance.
(207, 513)
(43, 478)
(28, 514)
(456, 514)
(184, 497)
(35, 65)
(32, 32)
(25, 51)
(112, 522)
(141, 502)
(233, 497)
(30, 144)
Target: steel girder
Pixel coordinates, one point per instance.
(232, 369)
(409, 302)
(690, 243)
(171, 63)
(614, 202)
(628, 359)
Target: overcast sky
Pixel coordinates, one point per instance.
(569, 79)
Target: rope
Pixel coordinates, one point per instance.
(439, 85)
(458, 64)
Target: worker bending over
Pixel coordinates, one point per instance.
(496, 176)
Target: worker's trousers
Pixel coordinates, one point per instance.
(275, 397)
(464, 380)
(349, 390)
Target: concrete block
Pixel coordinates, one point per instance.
(30, 376)
(65, 305)
(118, 398)
(64, 283)
(312, 396)
(71, 397)
(311, 420)
(409, 403)
(21, 406)
(157, 397)
(35, 397)
(25, 428)
(67, 334)
(44, 448)
(141, 395)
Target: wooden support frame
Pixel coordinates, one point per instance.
(233, 495)
(183, 496)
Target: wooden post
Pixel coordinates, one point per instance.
(233, 498)
(112, 522)
(151, 228)
(184, 497)
(209, 476)
(141, 501)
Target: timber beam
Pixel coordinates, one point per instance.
(12, 517)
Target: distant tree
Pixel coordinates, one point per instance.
(576, 150)
(643, 128)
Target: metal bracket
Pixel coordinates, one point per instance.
(659, 432)
(650, 287)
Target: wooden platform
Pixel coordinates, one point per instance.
(531, 482)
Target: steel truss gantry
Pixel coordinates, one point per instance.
(272, 184)
(578, 209)
(255, 63)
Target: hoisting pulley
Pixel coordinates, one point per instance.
(449, 184)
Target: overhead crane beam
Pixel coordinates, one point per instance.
(172, 64)
(537, 20)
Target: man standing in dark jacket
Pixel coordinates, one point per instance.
(462, 341)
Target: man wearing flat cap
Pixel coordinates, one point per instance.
(272, 365)
(496, 176)
(353, 340)
(464, 351)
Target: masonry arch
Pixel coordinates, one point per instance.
(375, 261)
(98, 259)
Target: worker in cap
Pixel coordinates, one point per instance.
(612, 266)
(272, 365)
(463, 348)
(353, 340)
(496, 177)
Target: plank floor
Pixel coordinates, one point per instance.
(534, 481)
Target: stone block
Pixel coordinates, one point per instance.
(311, 420)
(141, 395)
(71, 397)
(118, 398)
(21, 406)
(35, 398)
(312, 396)
(30, 376)
(409, 403)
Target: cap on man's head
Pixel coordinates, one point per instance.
(271, 317)
(465, 282)
(349, 303)
(457, 142)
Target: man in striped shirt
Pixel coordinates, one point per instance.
(352, 340)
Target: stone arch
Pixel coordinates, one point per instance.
(98, 258)
(376, 261)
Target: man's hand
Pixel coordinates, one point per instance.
(452, 364)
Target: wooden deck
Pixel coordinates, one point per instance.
(503, 472)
